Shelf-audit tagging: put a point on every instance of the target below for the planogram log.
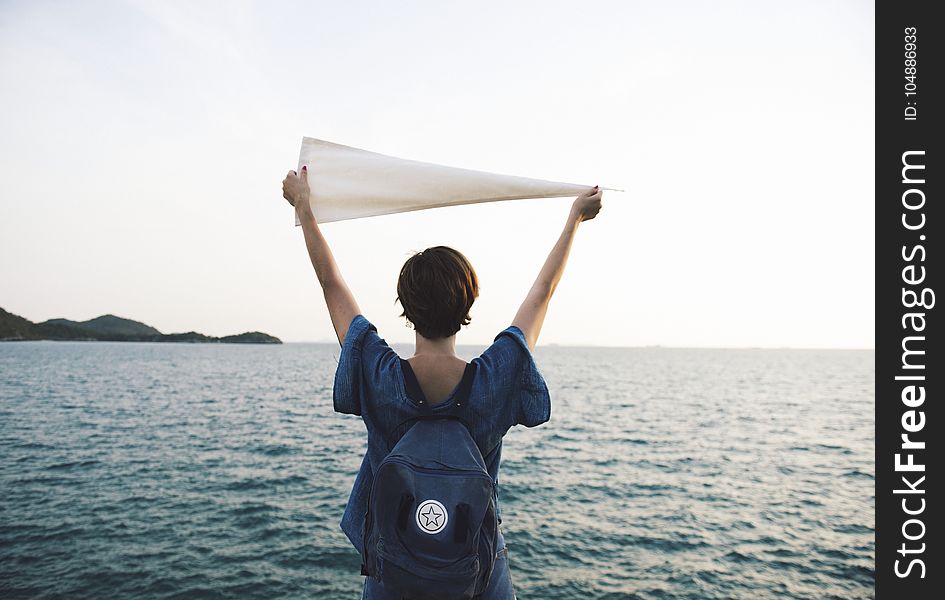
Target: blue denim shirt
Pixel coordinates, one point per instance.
(507, 390)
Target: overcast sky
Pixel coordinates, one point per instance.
(143, 144)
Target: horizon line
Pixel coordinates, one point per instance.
(646, 346)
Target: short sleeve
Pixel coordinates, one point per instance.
(362, 353)
(510, 358)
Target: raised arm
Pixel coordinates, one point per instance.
(341, 303)
(531, 315)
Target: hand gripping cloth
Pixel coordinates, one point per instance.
(349, 183)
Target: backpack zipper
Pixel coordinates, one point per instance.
(437, 472)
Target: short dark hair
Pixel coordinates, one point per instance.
(436, 289)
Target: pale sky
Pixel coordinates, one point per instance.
(143, 145)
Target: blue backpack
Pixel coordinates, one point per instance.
(431, 526)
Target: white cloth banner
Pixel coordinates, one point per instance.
(349, 183)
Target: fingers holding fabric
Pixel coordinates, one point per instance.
(295, 187)
(587, 205)
(287, 186)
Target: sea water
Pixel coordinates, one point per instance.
(135, 470)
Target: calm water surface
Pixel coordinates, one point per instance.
(219, 471)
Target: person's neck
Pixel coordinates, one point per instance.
(435, 348)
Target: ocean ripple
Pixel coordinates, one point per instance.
(209, 471)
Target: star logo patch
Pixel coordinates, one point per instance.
(431, 517)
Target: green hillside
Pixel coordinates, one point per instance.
(111, 328)
(15, 327)
(109, 325)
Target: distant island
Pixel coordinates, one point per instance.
(109, 328)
